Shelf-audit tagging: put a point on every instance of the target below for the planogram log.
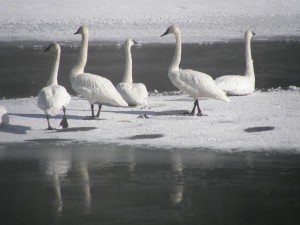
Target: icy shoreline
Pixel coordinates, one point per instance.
(200, 20)
(263, 121)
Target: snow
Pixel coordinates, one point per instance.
(263, 121)
(200, 20)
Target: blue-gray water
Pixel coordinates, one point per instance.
(97, 184)
(57, 182)
(25, 72)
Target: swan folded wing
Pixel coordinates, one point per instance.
(133, 93)
(235, 84)
(52, 98)
(199, 84)
(97, 89)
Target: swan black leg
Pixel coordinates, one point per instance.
(93, 115)
(49, 126)
(193, 110)
(64, 122)
(99, 109)
(198, 107)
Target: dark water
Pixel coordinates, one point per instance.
(25, 72)
(94, 184)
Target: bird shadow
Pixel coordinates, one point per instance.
(145, 136)
(76, 129)
(259, 129)
(15, 129)
(42, 116)
(139, 112)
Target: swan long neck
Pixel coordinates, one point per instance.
(54, 70)
(177, 57)
(82, 59)
(249, 72)
(127, 78)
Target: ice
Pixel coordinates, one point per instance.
(200, 20)
(263, 121)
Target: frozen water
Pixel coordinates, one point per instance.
(200, 20)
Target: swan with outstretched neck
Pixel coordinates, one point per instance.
(238, 84)
(54, 97)
(133, 93)
(192, 82)
(96, 89)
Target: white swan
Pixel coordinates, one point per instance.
(94, 88)
(237, 84)
(133, 93)
(4, 119)
(194, 83)
(53, 97)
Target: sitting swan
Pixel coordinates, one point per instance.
(94, 88)
(4, 119)
(133, 93)
(194, 83)
(53, 97)
(237, 84)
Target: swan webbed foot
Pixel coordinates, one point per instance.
(50, 128)
(200, 114)
(64, 122)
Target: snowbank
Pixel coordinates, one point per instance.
(200, 20)
(261, 121)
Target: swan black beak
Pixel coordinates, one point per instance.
(166, 33)
(134, 42)
(77, 32)
(253, 33)
(48, 48)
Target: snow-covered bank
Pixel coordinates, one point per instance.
(261, 121)
(200, 20)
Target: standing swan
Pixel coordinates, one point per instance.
(194, 83)
(237, 84)
(53, 97)
(133, 93)
(94, 88)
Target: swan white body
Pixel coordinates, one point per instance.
(133, 93)
(94, 88)
(4, 119)
(53, 97)
(192, 82)
(237, 84)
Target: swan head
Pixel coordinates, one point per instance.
(171, 30)
(54, 46)
(82, 30)
(129, 42)
(249, 34)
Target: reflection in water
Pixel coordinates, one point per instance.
(57, 170)
(84, 185)
(85, 180)
(176, 194)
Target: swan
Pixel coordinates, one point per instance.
(53, 97)
(133, 93)
(4, 119)
(94, 88)
(192, 82)
(237, 84)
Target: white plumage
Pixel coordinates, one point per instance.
(94, 88)
(237, 84)
(194, 83)
(53, 97)
(133, 93)
(4, 119)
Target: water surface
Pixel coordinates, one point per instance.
(24, 71)
(44, 182)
